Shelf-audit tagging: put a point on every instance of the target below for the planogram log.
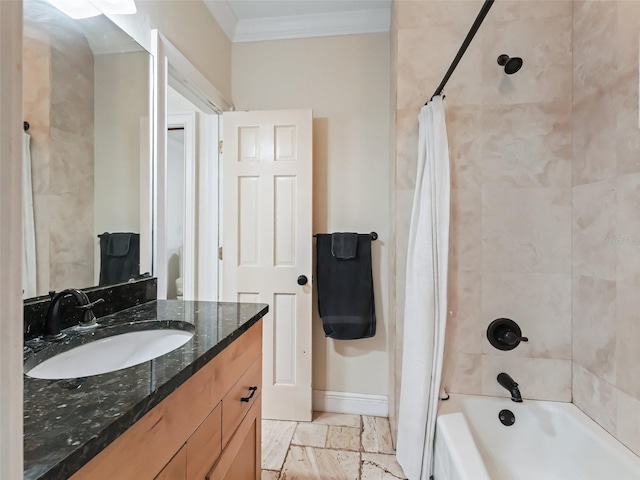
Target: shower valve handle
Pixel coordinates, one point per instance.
(511, 338)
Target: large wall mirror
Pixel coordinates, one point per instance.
(87, 152)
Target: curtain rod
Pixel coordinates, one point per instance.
(463, 48)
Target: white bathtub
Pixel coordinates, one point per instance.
(548, 441)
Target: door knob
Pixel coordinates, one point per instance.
(302, 280)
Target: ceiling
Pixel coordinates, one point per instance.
(256, 20)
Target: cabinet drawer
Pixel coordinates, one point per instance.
(240, 399)
(204, 446)
(176, 469)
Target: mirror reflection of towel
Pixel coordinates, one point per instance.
(345, 290)
(119, 257)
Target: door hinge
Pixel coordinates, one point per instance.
(220, 147)
(219, 253)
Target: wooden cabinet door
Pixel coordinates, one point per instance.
(176, 469)
(241, 458)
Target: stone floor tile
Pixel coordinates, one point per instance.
(310, 435)
(343, 438)
(309, 463)
(339, 419)
(376, 435)
(377, 466)
(270, 475)
(276, 437)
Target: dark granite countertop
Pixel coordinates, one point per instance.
(68, 422)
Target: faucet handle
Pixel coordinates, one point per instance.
(89, 306)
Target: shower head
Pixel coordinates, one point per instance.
(511, 64)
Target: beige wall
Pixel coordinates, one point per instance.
(59, 107)
(189, 26)
(606, 216)
(510, 144)
(121, 115)
(345, 80)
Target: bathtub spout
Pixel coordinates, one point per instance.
(507, 382)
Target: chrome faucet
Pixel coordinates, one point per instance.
(507, 382)
(53, 320)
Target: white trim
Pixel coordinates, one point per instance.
(187, 80)
(11, 339)
(188, 122)
(208, 215)
(224, 15)
(191, 83)
(159, 164)
(318, 25)
(357, 403)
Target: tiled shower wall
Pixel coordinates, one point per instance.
(510, 141)
(58, 92)
(606, 216)
(546, 195)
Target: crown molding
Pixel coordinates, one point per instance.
(298, 26)
(318, 25)
(224, 15)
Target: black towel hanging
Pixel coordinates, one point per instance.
(374, 235)
(345, 288)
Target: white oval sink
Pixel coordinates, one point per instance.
(111, 353)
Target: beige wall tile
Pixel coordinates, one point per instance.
(628, 421)
(528, 10)
(526, 230)
(594, 139)
(71, 165)
(596, 397)
(594, 229)
(540, 303)
(545, 46)
(421, 15)
(462, 373)
(594, 29)
(465, 231)
(527, 145)
(464, 124)
(407, 147)
(71, 229)
(594, 325)
(70, 275)
(465, 332)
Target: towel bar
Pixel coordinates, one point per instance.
(374, 235)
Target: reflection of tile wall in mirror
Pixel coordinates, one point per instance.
(87, 99)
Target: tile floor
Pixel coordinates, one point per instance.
(331, 447)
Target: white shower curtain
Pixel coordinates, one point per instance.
(28, 224)
(425, 310)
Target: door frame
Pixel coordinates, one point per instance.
(174, 69)
(187, 121)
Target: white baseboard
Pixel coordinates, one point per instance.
(357, 403)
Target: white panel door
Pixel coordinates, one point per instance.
(267, 245)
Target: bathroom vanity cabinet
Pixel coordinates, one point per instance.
(208, 428)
